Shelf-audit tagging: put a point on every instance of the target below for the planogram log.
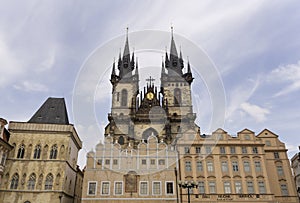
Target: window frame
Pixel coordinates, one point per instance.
(88, 189)
(117, 194)
(102, 183)
(160, 189)
(166, 187)
(140, 188)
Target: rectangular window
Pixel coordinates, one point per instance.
(186, 150)
(238, 187)
(257, 166)
(244, 150)
(161, 162)
(276, 155)
(156, 189)
(279, 170)
(222, 150)
(118, 188)
(99, 162)
(224, 166)
(152, 161)
(169, 188)
(247, 137)
(250, 187)
(220, 137)
(107, 162)
(105, 188)
(201, 187)
(235, 166)
(143, 188)
(261, 187)
(212, 187)
(246, 166)
(4, 158)
(188, 166)
(284, 190)
(210, 166)
(268, 143)
(92, 188)
(208, 150)
(199, 166)
(227, 189)
(254, 150)
(115, 161)
(144, 161)
(232, 150)
(198, 150)
(118, 96)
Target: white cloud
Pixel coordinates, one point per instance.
(29, 86)
(48, 62)
(287, 74)
(257, 112)
(239, 95)
(9, 66)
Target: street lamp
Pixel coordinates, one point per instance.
(187, 185)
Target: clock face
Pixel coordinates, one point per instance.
(150, 96)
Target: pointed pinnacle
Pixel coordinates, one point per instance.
(126, 48)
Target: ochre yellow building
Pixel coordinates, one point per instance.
(152, 144)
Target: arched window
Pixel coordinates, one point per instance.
(14, 181)
(62, 150)
(26, 202)
(53, 152)
(57, 179)
(124, 97)
(45, 151)
(49, 182)
(37, 152)
(121, 140)
(177, 96)
(148, 132)
(31, 182)
(21, 152)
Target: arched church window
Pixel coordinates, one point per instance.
(21, 152)
(177, 96)
(49, 182)
(31, 182)
(121, 140)
(148, 132)
(37, 152)
(14, 181)
(124, 97)
(53, 152)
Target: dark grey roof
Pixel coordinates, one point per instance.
(53, 111)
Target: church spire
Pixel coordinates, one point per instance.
(189, 68)
(113, 73)
(126, 48)
(173, 50)
(188, 76)
(136, 67)
(126, 65)
(175, 64)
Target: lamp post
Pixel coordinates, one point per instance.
(187, 185)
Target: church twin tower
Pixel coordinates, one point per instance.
(164, 112)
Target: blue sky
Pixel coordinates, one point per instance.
(254, 45)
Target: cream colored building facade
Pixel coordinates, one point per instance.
(5, 147)
(296, 170)
(152, 142)
(242, 168)
(144, 174)
(43, 165)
